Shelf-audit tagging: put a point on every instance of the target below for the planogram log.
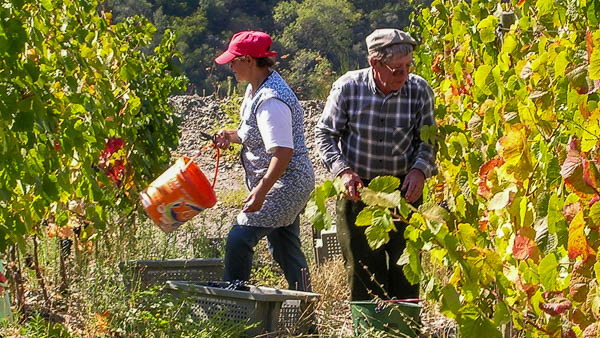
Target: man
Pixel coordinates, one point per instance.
(371, 127)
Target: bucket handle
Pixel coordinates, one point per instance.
(216, 165)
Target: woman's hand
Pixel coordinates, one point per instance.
(279, 162)
(255, 200)
(224, 138)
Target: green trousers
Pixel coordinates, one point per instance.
(371, 273)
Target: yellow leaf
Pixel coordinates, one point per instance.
(577, 244)
(515, 151)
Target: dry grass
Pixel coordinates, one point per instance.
(333, 310)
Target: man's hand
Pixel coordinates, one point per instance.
(413, 185)
(352, 182)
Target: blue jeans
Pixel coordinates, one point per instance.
(284, 244)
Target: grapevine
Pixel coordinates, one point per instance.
(85, 121)
(513, 215)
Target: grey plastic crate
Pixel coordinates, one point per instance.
(326, 245)
(277, 311)
(155, 272)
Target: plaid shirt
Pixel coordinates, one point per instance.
(374, 134)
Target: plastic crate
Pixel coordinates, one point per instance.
(153, 272)
(326, 245)
(276, 311)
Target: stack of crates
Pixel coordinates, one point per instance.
(326, 244)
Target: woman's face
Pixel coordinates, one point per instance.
(240, 67)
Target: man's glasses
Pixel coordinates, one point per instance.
(399, 70)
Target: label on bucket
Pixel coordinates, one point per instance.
(177, 212)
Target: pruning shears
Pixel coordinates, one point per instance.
(209, 137)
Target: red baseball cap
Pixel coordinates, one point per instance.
(253, 43)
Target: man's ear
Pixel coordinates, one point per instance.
(373, 62)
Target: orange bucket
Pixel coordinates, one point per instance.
(177, 195)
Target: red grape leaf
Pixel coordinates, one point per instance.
(572, 171)
(484, 189)
(560, 306)
(523, 247)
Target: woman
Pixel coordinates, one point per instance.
(279, 173)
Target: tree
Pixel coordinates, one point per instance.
(310, 75)
(324, 26)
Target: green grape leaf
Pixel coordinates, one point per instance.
(47, 4)
(595, 58)
(385, 184)
(383, 219)
(501, 314)
(560, 64)
(365, 217)
(434, 212)
(377, 236)
(555, 212)
(23, 121)
(487, 29)
(380, 199)
(429, 134)
(404, 208)
(483, 77)
(467, 235)
(473, 323)
(411, 276)
(544, 6)
(548, 271)
(595, 214)
(320, 220)
(450, 306)
(552, 172)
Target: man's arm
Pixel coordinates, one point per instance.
(330, 127)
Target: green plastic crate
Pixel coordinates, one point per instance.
(400, 319)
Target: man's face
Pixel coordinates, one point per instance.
(392, 74)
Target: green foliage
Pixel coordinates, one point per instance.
(314, 24)
(310, 75)
(331, 31)
(384, 204)
(316, 209)
(153, 311)
(70, 82)
(35, 326)
(519, 164)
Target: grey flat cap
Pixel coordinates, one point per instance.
(384, 37)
